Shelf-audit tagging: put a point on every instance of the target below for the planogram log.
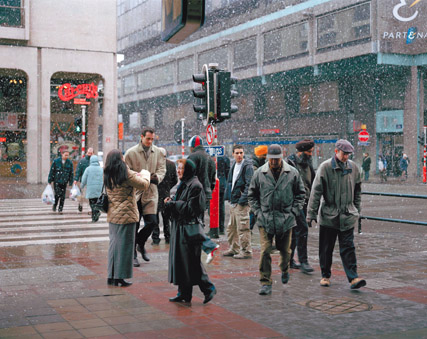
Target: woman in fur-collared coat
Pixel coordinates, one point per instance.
(121, 184)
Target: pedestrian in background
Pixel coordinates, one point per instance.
(366, 165)
(259, 159)
(382, 168)
(92, 178)
(121, 184)
(223, 168)
(146, 156)
(61, 174)
(185, 267)
(164, 188)
(80, 169)
(238, 229)
(403, 164)
(338, 182)
(302, 160)
(276, 196)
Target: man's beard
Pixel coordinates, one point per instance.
(304, 160)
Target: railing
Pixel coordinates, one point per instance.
(402, 221)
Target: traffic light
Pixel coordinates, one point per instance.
(225, 92)
(177, 132)
(204, 95)
(78, 124)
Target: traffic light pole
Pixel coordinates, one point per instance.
(83, 129)
(425, 157)
(182, 138)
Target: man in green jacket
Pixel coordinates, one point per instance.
(276, 196)
(61, 174)
(338, 182)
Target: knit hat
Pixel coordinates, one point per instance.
(304, 145)
(345, 146)
(195, 141)
(261, 150)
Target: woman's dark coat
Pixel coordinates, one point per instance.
(185, 267)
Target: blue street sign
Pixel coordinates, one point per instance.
(218, 151)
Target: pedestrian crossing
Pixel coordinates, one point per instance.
(30, 222)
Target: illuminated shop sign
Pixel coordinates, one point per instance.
(67, 92)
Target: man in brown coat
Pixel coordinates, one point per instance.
(146, 156)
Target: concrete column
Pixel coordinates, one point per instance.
(92, 127)
(110, 109)
(411, 123)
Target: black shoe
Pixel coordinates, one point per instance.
(60, 210)
(306, 268)
(136, 262)
(95, 216)
(156, 242)
(110, 281)
(180, 299)
(294, 265)
(54, 208)
(285, 277)
(166, 241)
(121, 282)
(80, 208)
(265, 290)
(143, 253)
(209, 296)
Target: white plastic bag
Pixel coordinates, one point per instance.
(74, 192)
(47, 196)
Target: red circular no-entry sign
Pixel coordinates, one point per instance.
(363, 136)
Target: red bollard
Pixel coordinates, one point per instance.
(214, 212)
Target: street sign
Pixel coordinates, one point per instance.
(210, 134)
(363, 136)
(218, 151)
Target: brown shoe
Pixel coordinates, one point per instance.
(357, 283)
(228, 253)
(325, 282)
(243, 256)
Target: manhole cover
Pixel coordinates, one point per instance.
(339, 306)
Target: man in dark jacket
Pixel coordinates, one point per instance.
(164, 188)
(302, 161)
(81, 167)
(61, 173)
(276, 196)
(238, 231)
(223, 168)
(338, 182)
(366, 165)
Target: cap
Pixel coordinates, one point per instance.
(261, 150)
(195, 141)
(274, 152)
(304, 145)
(344, 145)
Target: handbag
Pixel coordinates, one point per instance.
(193, 233)
(101, 203)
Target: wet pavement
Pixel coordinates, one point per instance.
(60, 291)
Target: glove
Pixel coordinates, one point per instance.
(154, 179)
(309, 222)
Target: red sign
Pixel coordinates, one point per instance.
(2, 139)
(270, 131)
(67, 92)
(210, 134)
(81, 102)
(363, 136)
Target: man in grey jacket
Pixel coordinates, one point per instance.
(276, 196)
(148, 157)
(338, 182)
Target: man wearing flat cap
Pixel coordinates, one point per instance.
(302, 161)
(338, 182)
(276, 196)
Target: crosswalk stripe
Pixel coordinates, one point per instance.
(30, 222)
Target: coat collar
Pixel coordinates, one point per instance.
(348, 169)
(141, 148)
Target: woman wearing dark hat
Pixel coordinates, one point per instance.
(185, 267)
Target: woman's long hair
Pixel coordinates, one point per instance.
(115, 170)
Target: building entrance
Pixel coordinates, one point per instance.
(391, 146)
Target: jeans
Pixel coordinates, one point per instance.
(59, 195)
